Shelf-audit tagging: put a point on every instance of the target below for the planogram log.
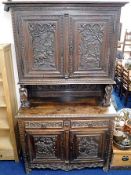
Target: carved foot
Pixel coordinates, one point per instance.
(27, 170)
(105, 169)
(107, 96)
(24, 97)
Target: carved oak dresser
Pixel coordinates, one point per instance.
(65, 56)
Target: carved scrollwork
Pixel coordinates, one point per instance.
(43, 44)
(91, 37)
(77, 124)
(41, 124)
(67, 167)
(74, 87)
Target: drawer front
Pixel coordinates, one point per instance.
(6, 155)
(43, 124)
(89, 123)
(121, 160)
(60, 124)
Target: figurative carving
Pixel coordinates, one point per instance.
(43, 38)
(91, 37)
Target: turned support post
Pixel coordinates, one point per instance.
(107, 95)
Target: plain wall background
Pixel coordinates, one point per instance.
(6, 31)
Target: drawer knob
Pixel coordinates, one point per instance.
(125, 158)
(0, 155)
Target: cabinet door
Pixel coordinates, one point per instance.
(40, 44)
(87, 146)
(91, 45)
(43, 146)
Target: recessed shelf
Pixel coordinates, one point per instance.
(4, 124)
(2, 101)
(5, 141)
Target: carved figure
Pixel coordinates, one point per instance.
(107, 96)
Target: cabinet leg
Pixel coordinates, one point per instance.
(27, 170)
(107, 96)
(24, 97)
(105, 168)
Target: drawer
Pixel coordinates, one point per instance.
(6, 154)
(121, 160)
(89, 123)
(43, 124)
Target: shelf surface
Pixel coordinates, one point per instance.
(2, 101)
(87, 108)
(5, 141)
(4, 123)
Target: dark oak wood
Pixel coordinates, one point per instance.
(66, 136)
(66, 43)
(63, 43)
(54, 44)
(65, 57)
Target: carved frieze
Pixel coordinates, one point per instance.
(74, 87)
(91, 123)
(41, 124)
(88, 146)
(67, 167)
(91, 37)
(43, 44)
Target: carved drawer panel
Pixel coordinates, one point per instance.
(43, 146)
(87, 146)
(44, 124)
(89, 123)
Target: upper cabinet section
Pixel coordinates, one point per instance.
(65, 43)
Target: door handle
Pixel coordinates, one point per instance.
(125, 158)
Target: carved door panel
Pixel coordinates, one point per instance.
(87, 146)
(91, 40)
(40, 45)
(43, 146)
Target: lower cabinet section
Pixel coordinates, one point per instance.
(57, 144)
